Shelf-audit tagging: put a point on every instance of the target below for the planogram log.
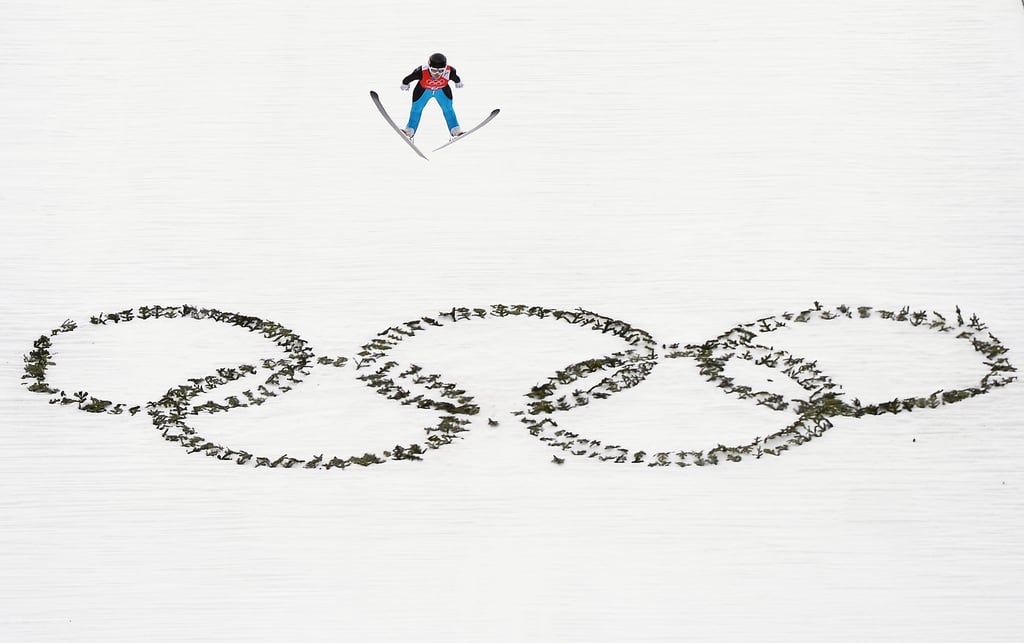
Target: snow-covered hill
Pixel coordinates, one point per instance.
(673, 169)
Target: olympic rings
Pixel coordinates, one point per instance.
(626, 369)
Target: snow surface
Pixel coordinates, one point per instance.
(682, 166)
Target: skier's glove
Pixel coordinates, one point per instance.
(458, 85)
(405, 88)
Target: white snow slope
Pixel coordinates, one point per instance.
(683, 167)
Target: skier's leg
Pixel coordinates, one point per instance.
(417, 111)
(449, 113)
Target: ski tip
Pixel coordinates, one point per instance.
(495, 111)
(374, 94)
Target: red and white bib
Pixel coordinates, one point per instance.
(429, 82)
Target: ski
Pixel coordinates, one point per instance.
(487, 120)
(384, 113)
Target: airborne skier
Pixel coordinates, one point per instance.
(432, 81)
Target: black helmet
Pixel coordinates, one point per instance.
(437, 60)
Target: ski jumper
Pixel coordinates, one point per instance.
(429, 87)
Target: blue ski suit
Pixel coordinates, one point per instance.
(428, 87)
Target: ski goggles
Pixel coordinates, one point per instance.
(436, 70)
